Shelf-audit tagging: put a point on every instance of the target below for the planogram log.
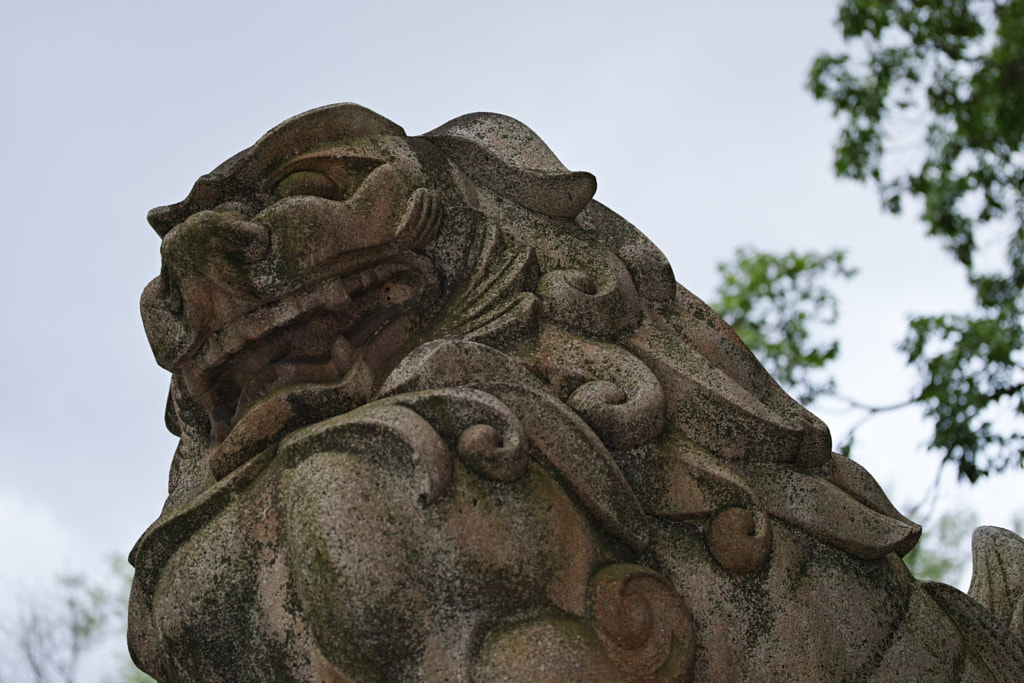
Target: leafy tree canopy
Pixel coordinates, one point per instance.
(930, 99)
(777, 304)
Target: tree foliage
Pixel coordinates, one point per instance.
(54, 630)
(778, 304)
(930, 98)
(943, 554)
(51, 632)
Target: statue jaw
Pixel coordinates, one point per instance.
(312, 337)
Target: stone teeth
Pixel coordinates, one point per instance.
(367, 280)
(288, 312)
(213, 353)
(252, 327)
(196, 384)
(335, 296)
(370, 278)
(343, 354)
(234, 342)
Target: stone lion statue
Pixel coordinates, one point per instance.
(444, 417)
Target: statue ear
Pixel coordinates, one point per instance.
(505, 156)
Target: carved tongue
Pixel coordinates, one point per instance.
(255, 389)
(343, 354)
(283, 374)
(319, 345)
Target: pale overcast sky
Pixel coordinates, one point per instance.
(692, 115)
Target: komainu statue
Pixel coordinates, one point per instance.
(444, 417)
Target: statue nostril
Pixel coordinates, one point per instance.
(249, 240)
(223, 234)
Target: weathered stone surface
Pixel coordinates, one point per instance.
(998, 580)
(444, 417)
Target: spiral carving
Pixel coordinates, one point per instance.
(482, 448)
(485, 433)
(622, 421)
(740, 540)
(603, 307)
(598, 392)
(644, 624)
(622, 401)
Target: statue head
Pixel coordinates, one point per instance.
(297, 273)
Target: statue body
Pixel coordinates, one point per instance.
(444, 417)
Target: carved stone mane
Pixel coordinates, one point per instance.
(443, 416)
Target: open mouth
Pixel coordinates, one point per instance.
(314, 336)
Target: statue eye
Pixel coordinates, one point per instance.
(310, 183)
